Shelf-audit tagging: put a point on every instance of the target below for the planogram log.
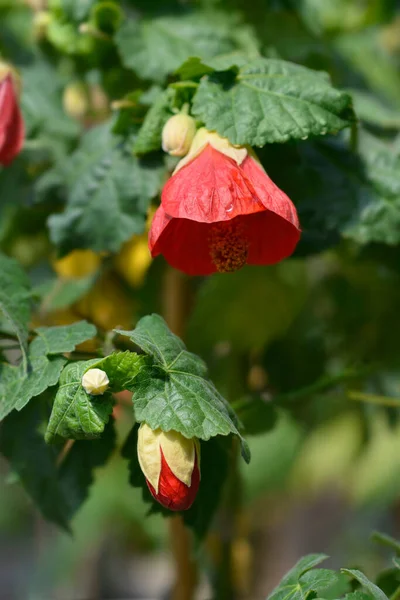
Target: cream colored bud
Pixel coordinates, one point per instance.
(76, 100)
(178, 134)
(179, 453)
(95, 382)
(223, 145)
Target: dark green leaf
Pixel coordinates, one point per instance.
(108, 194)
(155, 47)
(76, 470)
(65, 338)
(271, 101)
(149, 136)
(76, 414)
(174, 393)
(15, 300)
(23, 446)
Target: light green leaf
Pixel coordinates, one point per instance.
(155, 47)
(108, 194)
(76, 414)
(271, 100)
(303, 579)
(174, 393)
(366, 583)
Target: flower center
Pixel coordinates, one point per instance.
(229, 246)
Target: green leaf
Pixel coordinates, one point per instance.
(23, 446)
(61, 293)
(58, 491)
(121, 368)
(270, 101)
(42, 104)
(108, 194)
(256, 414)
(77, 10)
(64, 338)
(365, 582)
(155, 47)
(215, 460)
(371, 109)
(76, 414)
(45, 364)
(15, 300)
(173, 393)
(303, 579)
(76, 471)
(149, 136)
(386, 540)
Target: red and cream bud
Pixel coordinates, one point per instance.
(12, 130)
(171, 464)
(178, 134)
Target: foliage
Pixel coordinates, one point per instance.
(301, 357)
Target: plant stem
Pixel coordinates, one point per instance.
(175, 311)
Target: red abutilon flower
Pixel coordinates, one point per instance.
(12, 128)
(171, 464)
(220, 210)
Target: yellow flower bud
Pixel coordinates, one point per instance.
(76, 100)
(95, 382)
(178, 134)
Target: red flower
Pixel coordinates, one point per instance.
(12, 128)
(220, 210)
(170, 463)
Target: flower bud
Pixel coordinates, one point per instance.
(95, 382)
(12, 129)
(171, 464)
(178, 134)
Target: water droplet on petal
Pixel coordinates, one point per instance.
(229, 208)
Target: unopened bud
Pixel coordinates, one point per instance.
(76, 100)
(95, 382)
(178, 134)
(171, 464)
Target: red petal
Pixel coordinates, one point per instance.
(268, 193)
(172, 492)
(12, 130)
(210, 188)
(183, 243)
